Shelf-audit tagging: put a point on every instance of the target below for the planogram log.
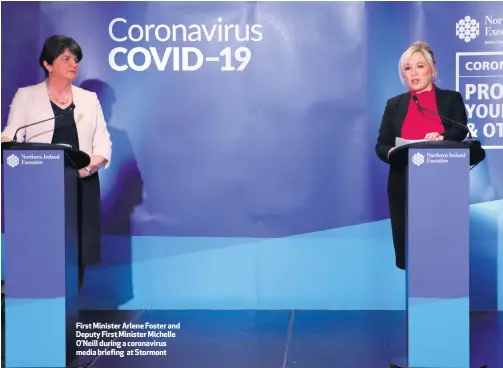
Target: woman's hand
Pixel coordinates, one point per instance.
(434, 136)
(83, 173)
(6, 139)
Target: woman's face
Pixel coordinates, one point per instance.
(418, 73)
(65, 66)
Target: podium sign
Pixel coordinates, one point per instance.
(41, 274)
(438, 304)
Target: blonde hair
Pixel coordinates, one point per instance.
(423, 48)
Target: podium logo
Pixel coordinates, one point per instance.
(467, 29)
(12, 160)
(418, 159)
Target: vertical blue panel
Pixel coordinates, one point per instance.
(35, 231)
(438, 258)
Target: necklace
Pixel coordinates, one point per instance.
(62, 102)
(59, 101)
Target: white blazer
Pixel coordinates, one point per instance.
(32, 103)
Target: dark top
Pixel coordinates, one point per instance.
(449, 103)
(65, 128)
(88, 191)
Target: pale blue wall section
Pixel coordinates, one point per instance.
(491, 214)
(346, 268)
(349, 268)
(486, 256)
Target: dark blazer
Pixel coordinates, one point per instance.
(449, 103)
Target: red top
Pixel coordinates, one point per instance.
(419, 123)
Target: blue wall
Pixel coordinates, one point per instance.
(258, 188)
(341, 269)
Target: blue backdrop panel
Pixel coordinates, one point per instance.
(257, 187)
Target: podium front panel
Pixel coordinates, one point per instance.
(438, 305)
(39, 237)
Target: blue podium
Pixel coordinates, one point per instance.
(41, 251)
(438, 251)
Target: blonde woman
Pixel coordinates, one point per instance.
(402, 118)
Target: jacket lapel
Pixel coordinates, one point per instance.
(442, 104)
(77, 112)
(401, 111)
(42, 110)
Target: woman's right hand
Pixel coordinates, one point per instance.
(6, 139)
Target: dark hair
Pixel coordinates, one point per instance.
(55, 46)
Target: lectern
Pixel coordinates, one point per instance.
(41, 253)
(437, 263)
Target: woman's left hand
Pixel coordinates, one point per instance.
(434, 137)
(83, 173)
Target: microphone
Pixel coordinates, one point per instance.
(443, 117)
(72, 107)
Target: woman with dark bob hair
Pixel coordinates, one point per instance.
(81, 125)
